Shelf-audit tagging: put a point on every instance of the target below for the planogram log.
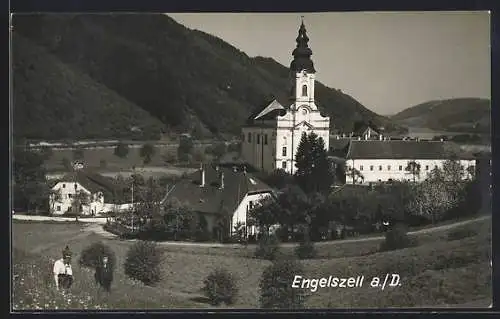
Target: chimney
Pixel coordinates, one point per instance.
(202, 171)
(221, 180)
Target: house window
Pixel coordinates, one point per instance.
(304, 90)
(360, 167)
(400, 167)
(435, 167)
(283, 152)
(371, 167)
(250, 205)
(265, 139)
(380, 168)
(283, 165)
(64, 185)
(258, 138)
(58, 208)
(462, 167)
(249, 137)
(70, 195)
(388, 167)
(426, 167)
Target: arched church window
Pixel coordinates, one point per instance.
(304, 90)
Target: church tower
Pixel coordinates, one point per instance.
(273, 132)
(302, 72)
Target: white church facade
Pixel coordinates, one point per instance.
(272, 134)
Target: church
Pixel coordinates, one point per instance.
(272, 134)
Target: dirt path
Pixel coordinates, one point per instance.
(98, 229)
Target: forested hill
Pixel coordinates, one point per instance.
(460, 114)
(150, 69)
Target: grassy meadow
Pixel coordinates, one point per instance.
(93, 157)
(440, 271)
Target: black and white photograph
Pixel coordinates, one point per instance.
(245, 161)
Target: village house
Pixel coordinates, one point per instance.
(222, 195)
(272, 134)
(387, 160)
(97, 188)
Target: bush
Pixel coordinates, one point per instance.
(220, 287)
(305, 249)
(397, 238)
(143, 262)
(92, 255)
(461, 233)
(276, 290)
(268, 247)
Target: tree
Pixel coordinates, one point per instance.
(413, 168)
(314, 172)
(80, 199)
(121, 150)
(264, 214)
(356, 175)
(471, 171)
(147, 152)
(55, 197)
(437, 195)
(30, 187)
(219, 149)
(293, 203)
(78, 153)
(185, 147)
(276, 291)
(453, 171)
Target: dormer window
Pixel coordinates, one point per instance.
(304, 90)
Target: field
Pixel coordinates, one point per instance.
(93, 157)
(438, 272)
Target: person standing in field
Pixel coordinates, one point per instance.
(63, 273)
(104, 273)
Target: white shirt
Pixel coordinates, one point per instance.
(61, 268)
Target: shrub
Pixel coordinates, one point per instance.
(121, 150)
(220, 287)
(397, 238)
(143, 262)
(461, 233)
(91, 256)
(268, 247)
(305, 249)
(275, 285)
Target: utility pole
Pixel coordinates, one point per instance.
(133, 205)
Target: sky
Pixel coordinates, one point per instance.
(388, 61)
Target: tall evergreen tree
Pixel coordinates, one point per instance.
(313, 173)
(303, 160)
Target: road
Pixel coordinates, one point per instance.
(96, 228)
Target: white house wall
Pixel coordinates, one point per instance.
(395, 169)
(240, 214)
(96, 205)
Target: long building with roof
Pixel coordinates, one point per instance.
(387, 160)
(273, 132)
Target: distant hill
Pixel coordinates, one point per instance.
(459, 115)
(186, 79)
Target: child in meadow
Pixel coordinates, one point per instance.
(63, 273)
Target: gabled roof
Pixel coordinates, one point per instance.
(211, 198)
(363, 128)
(389, 149)
(268, 110)
(91, 181)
